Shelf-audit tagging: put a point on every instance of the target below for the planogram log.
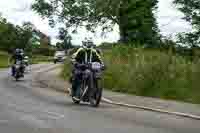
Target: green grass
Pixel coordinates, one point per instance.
(151, 73)
(41, 59)
(66, 70)
(4, 59)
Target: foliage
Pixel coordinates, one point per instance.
(43, 51)
(106, 45)
(4, 59)
(66, 40)
(66, 70)
(41, 59)
(135, 17)
(150, 72)
(191, 9)
(12, 36)
(26, 36)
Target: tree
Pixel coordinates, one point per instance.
(68, 42)
(27, 30)
(8, 35)
(12, 36)
(62, 33)
(135, 17)
(66, 38)
(59, 46)
(26, 36)
(191, 9)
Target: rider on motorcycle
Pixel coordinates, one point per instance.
(83, 55)
(18, 55)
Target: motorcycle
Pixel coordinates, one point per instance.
(26, 64)
(18, 70)
(90, 89)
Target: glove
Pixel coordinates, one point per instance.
(103, 67)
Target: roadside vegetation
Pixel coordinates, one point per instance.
(4, 59)
(149, 72)
(144, 64)
(153, 73)
(41, 59)
(36, 44)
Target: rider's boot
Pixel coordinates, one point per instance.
(13, 71)
(75, 90)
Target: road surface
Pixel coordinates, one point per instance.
(26, 108)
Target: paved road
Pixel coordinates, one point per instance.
(25, 107)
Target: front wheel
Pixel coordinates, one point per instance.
(95, 98)
(17, 76)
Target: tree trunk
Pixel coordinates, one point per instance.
(122, 34)
(123, 23)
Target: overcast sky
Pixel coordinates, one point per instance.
(18, 11)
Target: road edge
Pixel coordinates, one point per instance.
(122, 104)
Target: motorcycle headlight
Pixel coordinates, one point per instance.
(17, 66)
(18, 63)
(96, 66)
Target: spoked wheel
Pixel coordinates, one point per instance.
(96, 98)
(16, 77)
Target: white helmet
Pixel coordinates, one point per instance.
(88, 43)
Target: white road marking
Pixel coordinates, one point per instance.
(152, 109)
(54, 115)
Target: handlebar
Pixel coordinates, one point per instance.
(85, 65)
(78, 65)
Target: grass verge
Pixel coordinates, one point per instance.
(66, 70)
(4, 59)
(149, 72)
(40, 59)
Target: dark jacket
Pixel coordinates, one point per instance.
(16, 57)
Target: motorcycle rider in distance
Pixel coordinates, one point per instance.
(18, 55)
(84, 55)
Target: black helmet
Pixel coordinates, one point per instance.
(19, 51)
